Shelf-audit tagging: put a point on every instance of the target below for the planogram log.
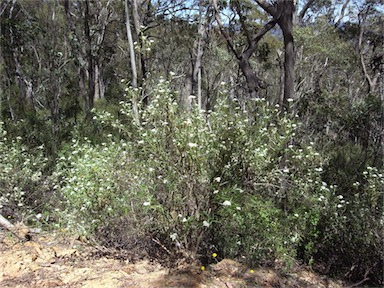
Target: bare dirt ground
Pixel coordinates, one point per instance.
(54, 261)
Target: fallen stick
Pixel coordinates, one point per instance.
(21, 232)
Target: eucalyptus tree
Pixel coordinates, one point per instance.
(282, 14)
(17, 31)
(88, 23)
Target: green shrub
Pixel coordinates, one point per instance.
(231, 181)
(23, 187)
(180, 170)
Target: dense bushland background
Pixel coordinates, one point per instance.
(176, 157)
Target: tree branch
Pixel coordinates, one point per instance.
(242, 22)
(222, 31)
(306, 8)
(342, 13)
(255, 40)
(269, 8)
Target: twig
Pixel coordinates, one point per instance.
(366, 278)
(161, 245)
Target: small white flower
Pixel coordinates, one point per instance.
(340, 197)
(146, 203)
(286, 170)
(216, 191)
(38, 216)
(238, 208)
(222, 83)
(184, 219)
(290, 100)
(173, 236)
(217, 179)
(191, 145)
(205, 223)
(339, 205)
(226, 203)
(192, 97)
(296, 215)
(122, 80)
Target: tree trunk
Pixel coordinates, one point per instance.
(187, 90)
(199, 47)
(89, 56)
(253, 82)
(137, 25)
(135, 105)
(131, 46)
(286, 24)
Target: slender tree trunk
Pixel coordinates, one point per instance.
(137, 25)
(135, 104)
(187, 90)
(24, 83)
(199, 47)
(89, 55)
(289, 68)
(82, 59)
(131, 46)
(281, 81)
(54, 86)
(371, 80)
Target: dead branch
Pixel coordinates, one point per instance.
(21, 232)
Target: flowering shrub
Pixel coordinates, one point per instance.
(22, 189)
(233, 180)
(351, 229)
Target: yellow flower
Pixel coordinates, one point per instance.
(214, 255)
(202, 268)
(252, 271)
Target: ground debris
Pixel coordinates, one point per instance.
(49, 261)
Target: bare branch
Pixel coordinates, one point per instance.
(306, 8)
(342, 13)
(255, 40)
(223, 32)
(269, 8)
(242, 22)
